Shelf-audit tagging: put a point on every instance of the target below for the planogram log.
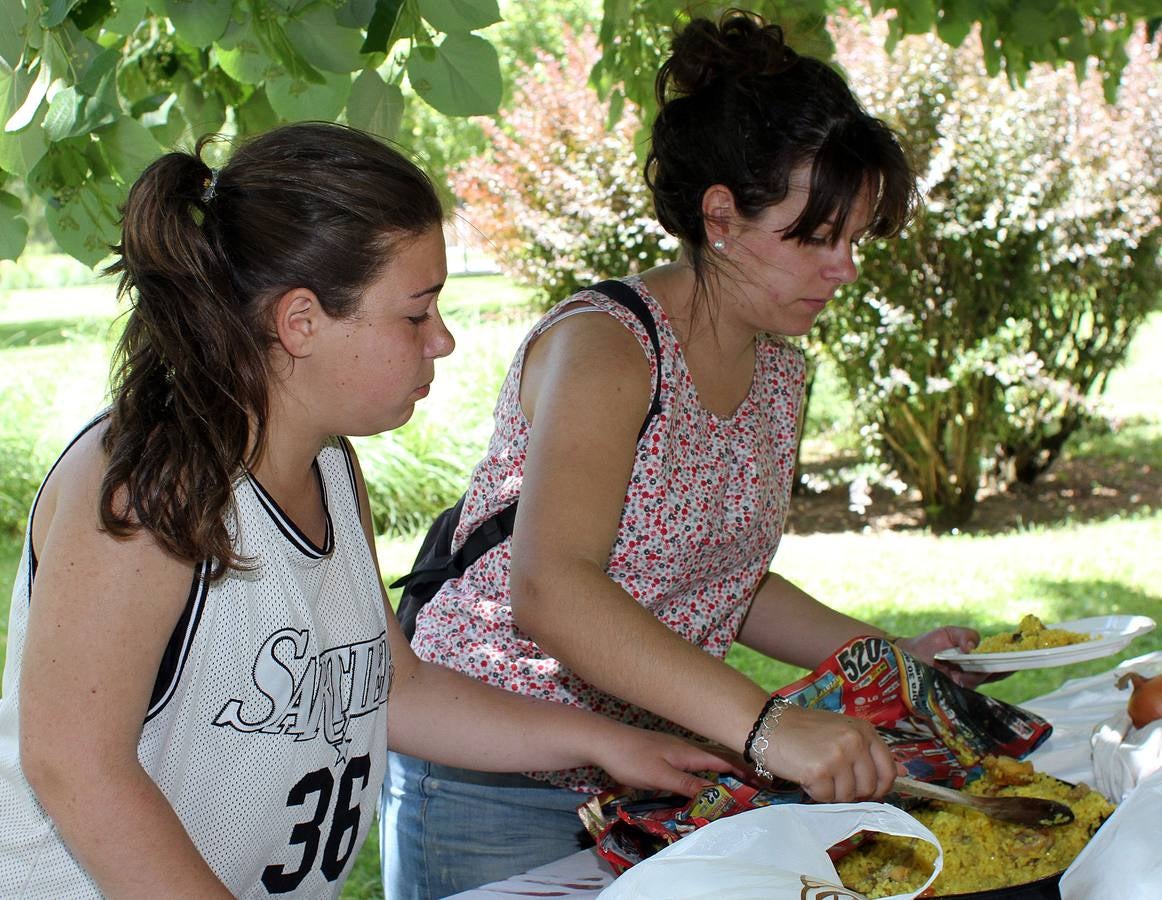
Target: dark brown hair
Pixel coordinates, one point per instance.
(738, 107)
(202, 256)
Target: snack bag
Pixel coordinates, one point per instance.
(938, 730)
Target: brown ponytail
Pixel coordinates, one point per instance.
(202, 256)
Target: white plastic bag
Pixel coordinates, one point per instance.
(774, 852)
(1123, 755)
(1122, 859)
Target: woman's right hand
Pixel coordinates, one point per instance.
(658, 761)
(835, 758)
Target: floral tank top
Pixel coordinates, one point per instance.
(702, 519)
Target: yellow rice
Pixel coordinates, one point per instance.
(980, 853)
(1031, 634)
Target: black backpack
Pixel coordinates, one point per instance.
(435, 563)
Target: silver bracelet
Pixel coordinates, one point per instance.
(756, 750)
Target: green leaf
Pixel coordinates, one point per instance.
(20, 151)
(63, 169)
(296, 100)
(955, 19)
(62, 114)
(274, 38)
(21, 95)
(323, 42)
(459, 15)
(916, 16)
(255, 115)
(127, 15)
(12, 25)
(204, 111)
(89, 104)
(85, 224)
(616, 108)
(460, 77)
(990, 47)
(88, 13)
(13, 226)
(199, 22)
(167, 125)
(374, 105)
(382, 26)
(98, 87)
(242, 56)
(128, 148)
(356, 13)
(55, 12)
(1029, 24)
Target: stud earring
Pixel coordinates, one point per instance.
(719, 245)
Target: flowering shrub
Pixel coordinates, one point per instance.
(559, 199)
(980, 340)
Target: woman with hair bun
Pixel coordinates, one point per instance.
(640, 554)
(200, 655)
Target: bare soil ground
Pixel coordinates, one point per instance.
(1074, 490)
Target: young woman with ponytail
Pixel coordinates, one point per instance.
(637, 561)
(200, 655)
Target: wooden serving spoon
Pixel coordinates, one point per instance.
(1032, 812)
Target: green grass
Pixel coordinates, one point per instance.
(43, 270)
(54, 347)
(909, 583)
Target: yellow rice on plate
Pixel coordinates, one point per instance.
(980, 853)
(1031, 634)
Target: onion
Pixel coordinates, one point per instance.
(1146, 699)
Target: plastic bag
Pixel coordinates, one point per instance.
(1122, 859)
(1123, 755)
(773, 852)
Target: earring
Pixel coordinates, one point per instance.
(719, 245)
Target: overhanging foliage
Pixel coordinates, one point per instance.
(91, 90)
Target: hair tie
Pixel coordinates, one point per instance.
(210, 185)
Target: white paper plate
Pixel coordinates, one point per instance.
(1110, 634)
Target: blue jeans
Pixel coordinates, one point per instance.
(445, 830)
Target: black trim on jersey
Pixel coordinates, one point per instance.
(349, 459)
(177, 650)
(32, 561)
(287, 526)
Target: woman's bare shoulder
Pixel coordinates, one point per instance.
(66, 524)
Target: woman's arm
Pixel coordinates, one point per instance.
(788, 624)
(447, 717)
(820, 630)
(442, 715)
(101, 613)
(585, 389)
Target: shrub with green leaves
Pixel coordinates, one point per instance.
(559, 198)
(980, 339)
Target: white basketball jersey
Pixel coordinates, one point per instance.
(267, 731)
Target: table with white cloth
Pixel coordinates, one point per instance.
(1074, 710)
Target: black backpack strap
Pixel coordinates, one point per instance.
(631, 300)
(488, 534)
(439, 565)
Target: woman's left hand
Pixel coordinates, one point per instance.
(951, 637)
